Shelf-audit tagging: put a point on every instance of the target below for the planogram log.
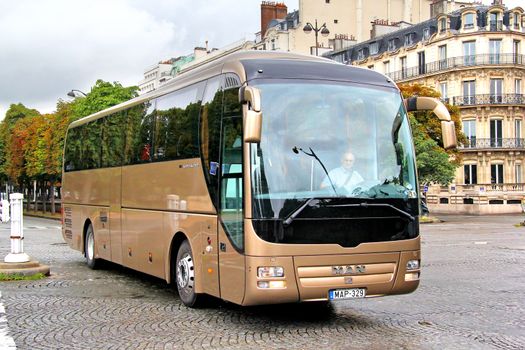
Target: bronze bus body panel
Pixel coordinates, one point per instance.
(232, 267)
(87, 187)
(197, 228)
(177, 185)
(115, 214)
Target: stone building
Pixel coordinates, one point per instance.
(473, 56)
(348, 22)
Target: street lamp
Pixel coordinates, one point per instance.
(73, 93)
(323, 29)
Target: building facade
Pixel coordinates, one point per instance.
(348, 22)
(473, 56)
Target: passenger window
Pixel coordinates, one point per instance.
(139, 133)
(231, 183)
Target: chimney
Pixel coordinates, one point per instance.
(271, 10)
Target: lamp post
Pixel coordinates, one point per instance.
(73, 94)
(323, 29)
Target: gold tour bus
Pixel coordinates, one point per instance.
(256, 178)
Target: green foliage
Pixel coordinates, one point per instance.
(434, 163)
(20, 277)
(31, 144)
(103, 95)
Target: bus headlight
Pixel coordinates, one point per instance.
(271, 284)
(270, 271)
(412, 265)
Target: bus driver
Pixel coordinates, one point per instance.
(344, 176)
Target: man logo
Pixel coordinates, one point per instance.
(348, 269)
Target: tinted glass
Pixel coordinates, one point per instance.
(139, 133)
(113, 139)
(175, 129)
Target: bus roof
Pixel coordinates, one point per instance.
(254, 64)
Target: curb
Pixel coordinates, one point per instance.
(29, 268)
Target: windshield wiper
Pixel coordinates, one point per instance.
(289, 219)
(366, 205)
(312, 154)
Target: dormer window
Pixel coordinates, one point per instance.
(426, 33)
(409, 39)
(495, 23)
(361, 54)
(443, 25)
(468, 21)
(374, 48)
(391, 44)
(516, 20)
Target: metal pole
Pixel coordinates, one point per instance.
(17, 254)
(316, 30)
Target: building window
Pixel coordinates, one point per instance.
(468, 21)
(516, 20)
(496, 90)
(517, 87)
(374, 48)
(518, 174)
(361, 54)
(403, 61)
(422, 67)
(469, 129)
(495, 23)
(517, 133)
(443, 89)
(442, 53)
(469, 53)
(471, 174)
(442, 25)
(386, 66)
(391, 44)
(496, 173)
(426, 33)
(495, 51)
(496, 133)
(409, 39)
(327, 1)
(469, 92)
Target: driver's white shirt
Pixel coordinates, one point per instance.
(342, 178)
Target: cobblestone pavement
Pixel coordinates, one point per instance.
(472, 296)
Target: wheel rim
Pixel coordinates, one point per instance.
(90, 246)
(185, 273)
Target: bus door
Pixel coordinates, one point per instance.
(230, 225)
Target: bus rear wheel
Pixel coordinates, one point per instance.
(185, 276)
(89, 249)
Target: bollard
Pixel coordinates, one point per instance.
(17, 254)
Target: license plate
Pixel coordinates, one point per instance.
(351, 293)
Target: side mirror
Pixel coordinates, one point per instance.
(448, 130)
(250, 97)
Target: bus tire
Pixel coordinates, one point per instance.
(185, 276)
(89, 249)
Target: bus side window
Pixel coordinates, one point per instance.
(231, 184)
(210, 134)
(139, 133)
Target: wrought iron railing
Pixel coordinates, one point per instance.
(475, 143)
(458, 62)
(489, 99)
(495, 26)
(483, 188)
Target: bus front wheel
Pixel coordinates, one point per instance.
(185, 276)
(89, 249)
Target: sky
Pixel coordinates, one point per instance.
(48, 47)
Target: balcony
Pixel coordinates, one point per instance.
(499, 99)
(457, 63)
(476, 189)
(474, 143)
(495, 26)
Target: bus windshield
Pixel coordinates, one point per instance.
(328, 140)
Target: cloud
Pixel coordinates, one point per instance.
(50, 47)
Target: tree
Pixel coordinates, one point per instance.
(434, 163)
(15, 113)
(102, 95)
